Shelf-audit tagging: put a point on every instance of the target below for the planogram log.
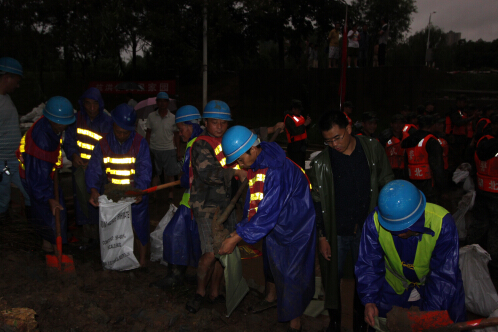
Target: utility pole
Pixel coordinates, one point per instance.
(428, 54)
(204, 56)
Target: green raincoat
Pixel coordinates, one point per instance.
(322, 181)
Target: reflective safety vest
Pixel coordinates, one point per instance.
(487, 171)
(448, 125)
(120, 168)
(215, 143)
(460, 130)
(407, 128)
(28, 146)
(85, 138)
(446, 149)
(434, 215)
(486, 122)
(299, 122)
(186, 194)
(395, 153)
(350, 122)
(256, 185)
(418, 160)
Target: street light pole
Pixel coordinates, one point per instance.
(429, 29)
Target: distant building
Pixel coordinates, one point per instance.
(453, 37)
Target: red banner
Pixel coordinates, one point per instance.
(137, 87)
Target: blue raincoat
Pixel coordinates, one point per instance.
(101, 124)
(181, 243)
(40, 186)
(95, 177)
(286, 220)
(443, 289)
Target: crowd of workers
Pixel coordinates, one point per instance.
(375, 197)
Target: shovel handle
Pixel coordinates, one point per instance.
(162, 186)
(474, 324)
(58, 239)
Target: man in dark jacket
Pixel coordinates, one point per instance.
(354, 167)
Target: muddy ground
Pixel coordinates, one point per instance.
(94, 299)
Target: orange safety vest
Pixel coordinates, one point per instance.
(85, 137)
(470, 130)
(299, 122)
(487, 171)
(350, 122)
(215, 143)
(460, 130)
(448, 125)
(486, 120)
(407, 128)
(395, 153)
(28, 145)
(446, 148)
(120, 168)
(418, 160)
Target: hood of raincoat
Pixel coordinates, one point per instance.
(271, 156)
(94, 94)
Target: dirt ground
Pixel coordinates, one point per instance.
(94, 299)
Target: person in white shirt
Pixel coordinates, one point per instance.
(353, 45)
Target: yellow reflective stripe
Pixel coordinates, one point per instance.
(59, 159)
(218, 149)
(258, 177)
(120, 181)
(89, 133)
(237, 166)
(85, 156)
(257, 197)
(120, 172)
(223, 162)
(130, 160)
(23, 143)
(85, 145)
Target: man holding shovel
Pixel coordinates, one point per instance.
(280, 209)
(409, 256)
(123, 157)
(40, 155)
(81, 137)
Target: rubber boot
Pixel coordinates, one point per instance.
(176, 274)
(335, 320)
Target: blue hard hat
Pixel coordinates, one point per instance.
(124, 116)
(401, 204)
(236, 141)
(59, 110)
(10, 65)
(187, 113)
(162, 95)
(217, 109)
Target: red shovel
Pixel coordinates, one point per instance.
(64, 263)
(138, 192)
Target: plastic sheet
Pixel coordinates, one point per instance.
(480, 293)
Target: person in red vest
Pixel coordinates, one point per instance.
(410, 124)
(424, 160)
(456, 125)
(391, 140)
(210, 188)
(484, 228)
(348, 111)
(295, 129)
(438, 130)
(280, 210)
(40, 156)
(368, 124)
(483, 125)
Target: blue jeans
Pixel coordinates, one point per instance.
(5, 184)
(344, 245)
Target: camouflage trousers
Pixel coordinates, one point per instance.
(204, 220)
